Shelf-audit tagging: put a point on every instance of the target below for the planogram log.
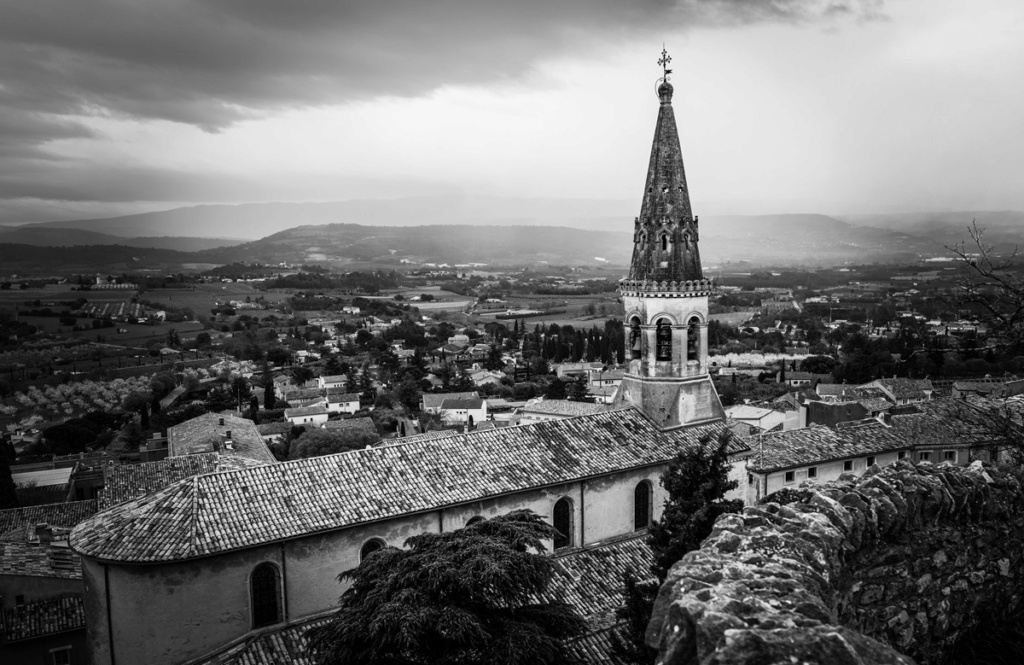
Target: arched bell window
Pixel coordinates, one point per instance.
(370, 547)
(643, 495)
(265, 595)
(693, 339)
(562, 521)
(663, 337)
(664, 243)
(635, 339)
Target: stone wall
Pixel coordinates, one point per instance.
(888, 567)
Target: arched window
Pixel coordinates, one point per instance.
(265, 592)
(664, 243)
(370, 547)
(563, 523)
(664, 340)
(642, 502)
(693, 339)
(635, 340)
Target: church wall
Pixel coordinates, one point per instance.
(170, 613)
(541, 501)
(95, 606)
(312, 564)
(609, 502)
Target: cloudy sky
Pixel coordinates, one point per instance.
(832, 106)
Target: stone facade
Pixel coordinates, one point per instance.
(886, 568)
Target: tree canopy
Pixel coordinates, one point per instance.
(317, 442)
(461, 597)
(696, 481)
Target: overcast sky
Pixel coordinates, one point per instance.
(832, 106)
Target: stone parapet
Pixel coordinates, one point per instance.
(652, 288)
(888, 567)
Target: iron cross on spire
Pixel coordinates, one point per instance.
(663, 61)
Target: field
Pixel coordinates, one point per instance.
(733, 318)
(201, 299)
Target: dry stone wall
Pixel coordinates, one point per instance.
(889, 567)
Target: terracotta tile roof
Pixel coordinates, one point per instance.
(334, 378)
(905, 388)
(419, 438)
(318, 410)
(35, 560)
(595, 648)
(563, 407)
(206, 434)
(43, 617)
(942, 422)
(340, 395)
(266, 429)
(590, 579)
(131, 481)
(434, 400)
(469, 403)
(274, 646)
(303, 394)
(55, 514)
(220, 512)
(353, 425)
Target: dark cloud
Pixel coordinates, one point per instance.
(205, 62)
(210, 63)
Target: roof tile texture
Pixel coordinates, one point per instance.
(226, 511)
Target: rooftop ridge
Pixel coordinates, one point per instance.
(372, 484)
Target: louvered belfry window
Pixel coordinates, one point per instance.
(265, 586)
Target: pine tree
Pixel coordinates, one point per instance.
(697, 481)
(628, 641)
(463, 596)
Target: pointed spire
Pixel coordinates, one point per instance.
(665, 234)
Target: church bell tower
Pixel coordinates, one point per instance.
(666, 293)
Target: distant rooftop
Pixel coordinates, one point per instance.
(43, 617)
(209, 433)
(563, 407)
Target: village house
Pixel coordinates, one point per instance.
(339, 401)
(307, 415)
(944, 430)
(42, 616)
(468, 411)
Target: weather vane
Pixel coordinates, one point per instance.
(665, 59)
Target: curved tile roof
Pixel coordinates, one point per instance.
(219, 512)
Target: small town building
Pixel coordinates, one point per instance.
(307, 415)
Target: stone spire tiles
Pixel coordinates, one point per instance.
(665, 234)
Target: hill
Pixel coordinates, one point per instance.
(1003, 228)
(258, 220)
(33, 260)
(44, 236)
(344, 244)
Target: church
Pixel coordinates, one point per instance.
(211, 561)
